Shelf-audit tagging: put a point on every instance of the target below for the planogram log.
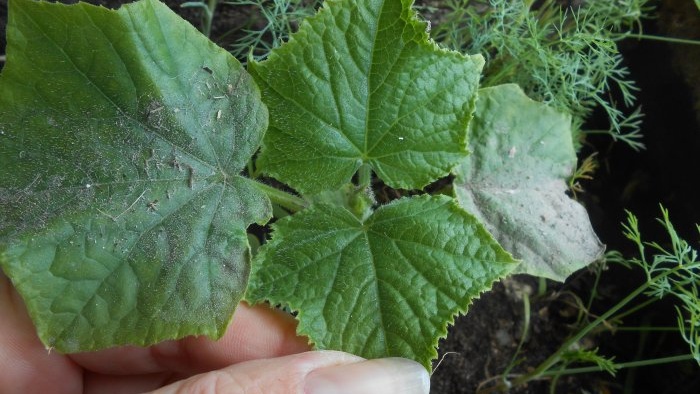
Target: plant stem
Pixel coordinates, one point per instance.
(282, 198)
(630, 364)
(635, 308)
(209, 16)
(207, 13)
(364, 176)
(523, 337)
(649, 329)
(673, 40)
(594, 293)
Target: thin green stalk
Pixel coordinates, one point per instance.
(673, 40)
(635, 308)
(523, 337)
(591, 299)
(644, 329)
(211, 8)
(282, 198)
(630, 364)
(207, 13)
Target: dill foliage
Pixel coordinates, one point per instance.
(672, 269)
(565, 55)
(272, 21)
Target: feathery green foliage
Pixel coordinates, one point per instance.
(671, 271)
(270, 24)
(274, 21)
(567, 58)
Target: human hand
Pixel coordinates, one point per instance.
(260, 353)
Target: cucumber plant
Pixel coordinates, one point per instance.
(132, 151)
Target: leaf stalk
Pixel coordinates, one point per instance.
(364, 176)
(282, 198)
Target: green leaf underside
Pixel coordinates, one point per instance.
(387, 286)
(515, 183)
(122, 134)
(361, 82)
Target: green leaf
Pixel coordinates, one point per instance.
(515, 183)
(361, 82)
(385, 286)
(122, 134)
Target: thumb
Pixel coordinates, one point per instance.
(317, 372)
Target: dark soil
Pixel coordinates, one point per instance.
(482, 344)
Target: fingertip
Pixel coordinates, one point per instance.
(380, 376)
(316, 372)
(278, 375)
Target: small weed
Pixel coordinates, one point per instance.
(670, 271)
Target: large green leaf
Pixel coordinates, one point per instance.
(361, 82)
(385, 286)
(515, 182)
(122, 134)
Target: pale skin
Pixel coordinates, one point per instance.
(260, 353)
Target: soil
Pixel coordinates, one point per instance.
(481, 344)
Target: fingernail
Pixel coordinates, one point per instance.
(380, 376)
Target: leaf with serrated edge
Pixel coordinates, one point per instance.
(515, 183)
(122, 136)
(361, 82)
(386, 286)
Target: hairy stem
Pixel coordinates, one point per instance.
(364, 176)
(282, 198)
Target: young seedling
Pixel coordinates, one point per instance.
(670, 272)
